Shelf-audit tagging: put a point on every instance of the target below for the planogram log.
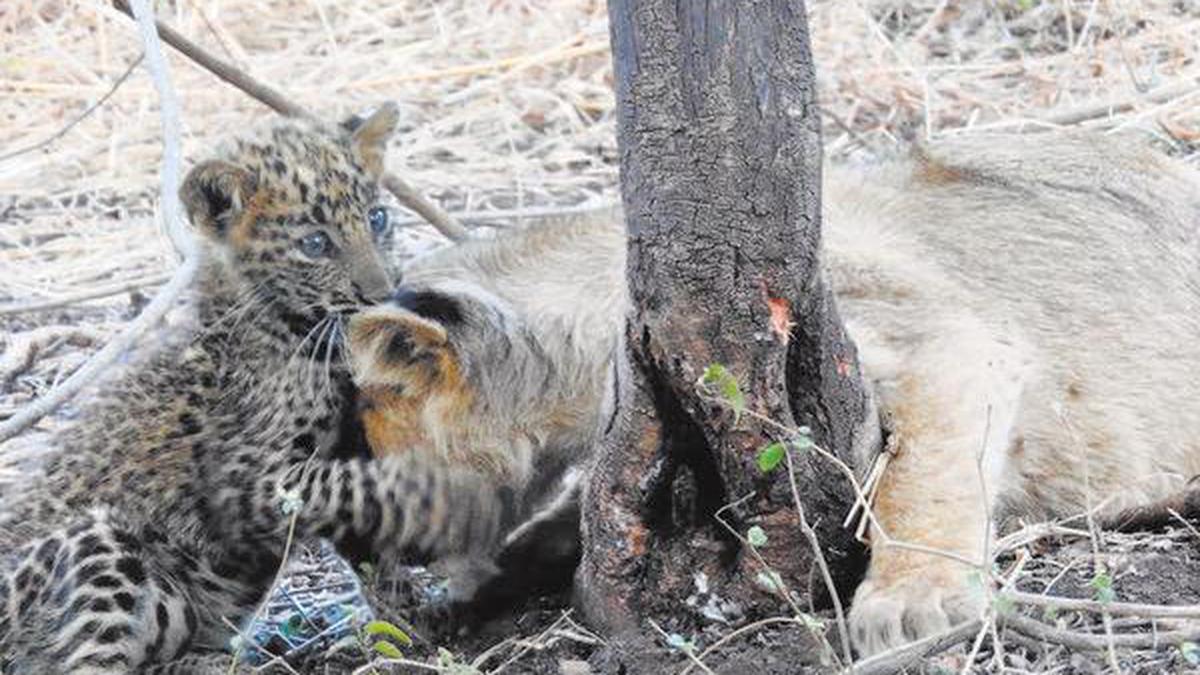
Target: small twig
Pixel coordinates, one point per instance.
(93, 294)
(277, 101)
(530, 645)
(273, 659)
(168, 294)
(373, 667)
(787, 596)
(687, 652)
(1084, 642)
(733, 635)
(23, 348)
(904, 656)
(1184, 521)
(87, 112)
(818, 553)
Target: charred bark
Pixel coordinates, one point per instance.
(720, 174)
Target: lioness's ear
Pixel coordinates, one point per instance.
(385, 341)
(369, 137)
(214, 193)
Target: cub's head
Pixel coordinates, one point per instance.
(449, 368)
(296, 212)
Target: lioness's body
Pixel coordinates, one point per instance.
(1035, 299)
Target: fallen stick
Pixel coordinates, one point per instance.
(911, 654)
(180, 280)
(1114, 608)
(280, 103)
(92, 294)
(1085, 642)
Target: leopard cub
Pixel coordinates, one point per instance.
(168, 506)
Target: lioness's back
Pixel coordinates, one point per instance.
(1084, 249)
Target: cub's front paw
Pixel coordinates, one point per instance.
(889, 613)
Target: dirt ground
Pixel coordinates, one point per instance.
(507, 112)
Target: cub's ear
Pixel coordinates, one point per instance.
(214, 193)
(369, 136)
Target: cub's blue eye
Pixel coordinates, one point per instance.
(316, 244)
(378, 220)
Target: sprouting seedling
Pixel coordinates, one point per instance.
(719, 382)
(1102, 584)
(772, 454)
(756, 536)
(386, 639)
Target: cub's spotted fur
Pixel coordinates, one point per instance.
(1034, 296)
(161, 516)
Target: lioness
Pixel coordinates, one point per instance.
(1026, 309)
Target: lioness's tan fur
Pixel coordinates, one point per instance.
(1026, 310)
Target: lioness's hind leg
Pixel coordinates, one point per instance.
(952, 412)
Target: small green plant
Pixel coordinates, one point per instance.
(718, 381)
(385, 639)
(450, 664)
(1190, 652)
(1102, 585)
(770, 455)
(677, 641)
(756, 536)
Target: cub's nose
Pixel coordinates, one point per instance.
(372, 285)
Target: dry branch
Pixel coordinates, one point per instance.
(277, 101)
(896, 660)
(1085, 642)
(1115, 608)
(182, 277)
(81, 116)
(92, 294)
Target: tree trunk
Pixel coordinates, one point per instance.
(720, 173)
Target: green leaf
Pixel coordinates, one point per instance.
(718, 379)
(1190, 652)
(756, 536)
(770, 456)
(387, 650)
(1049, 614)
(386, 629)
(677, 641)
(1102, 584)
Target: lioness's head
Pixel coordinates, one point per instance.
(451, 367)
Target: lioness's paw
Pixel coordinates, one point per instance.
(887, 615)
